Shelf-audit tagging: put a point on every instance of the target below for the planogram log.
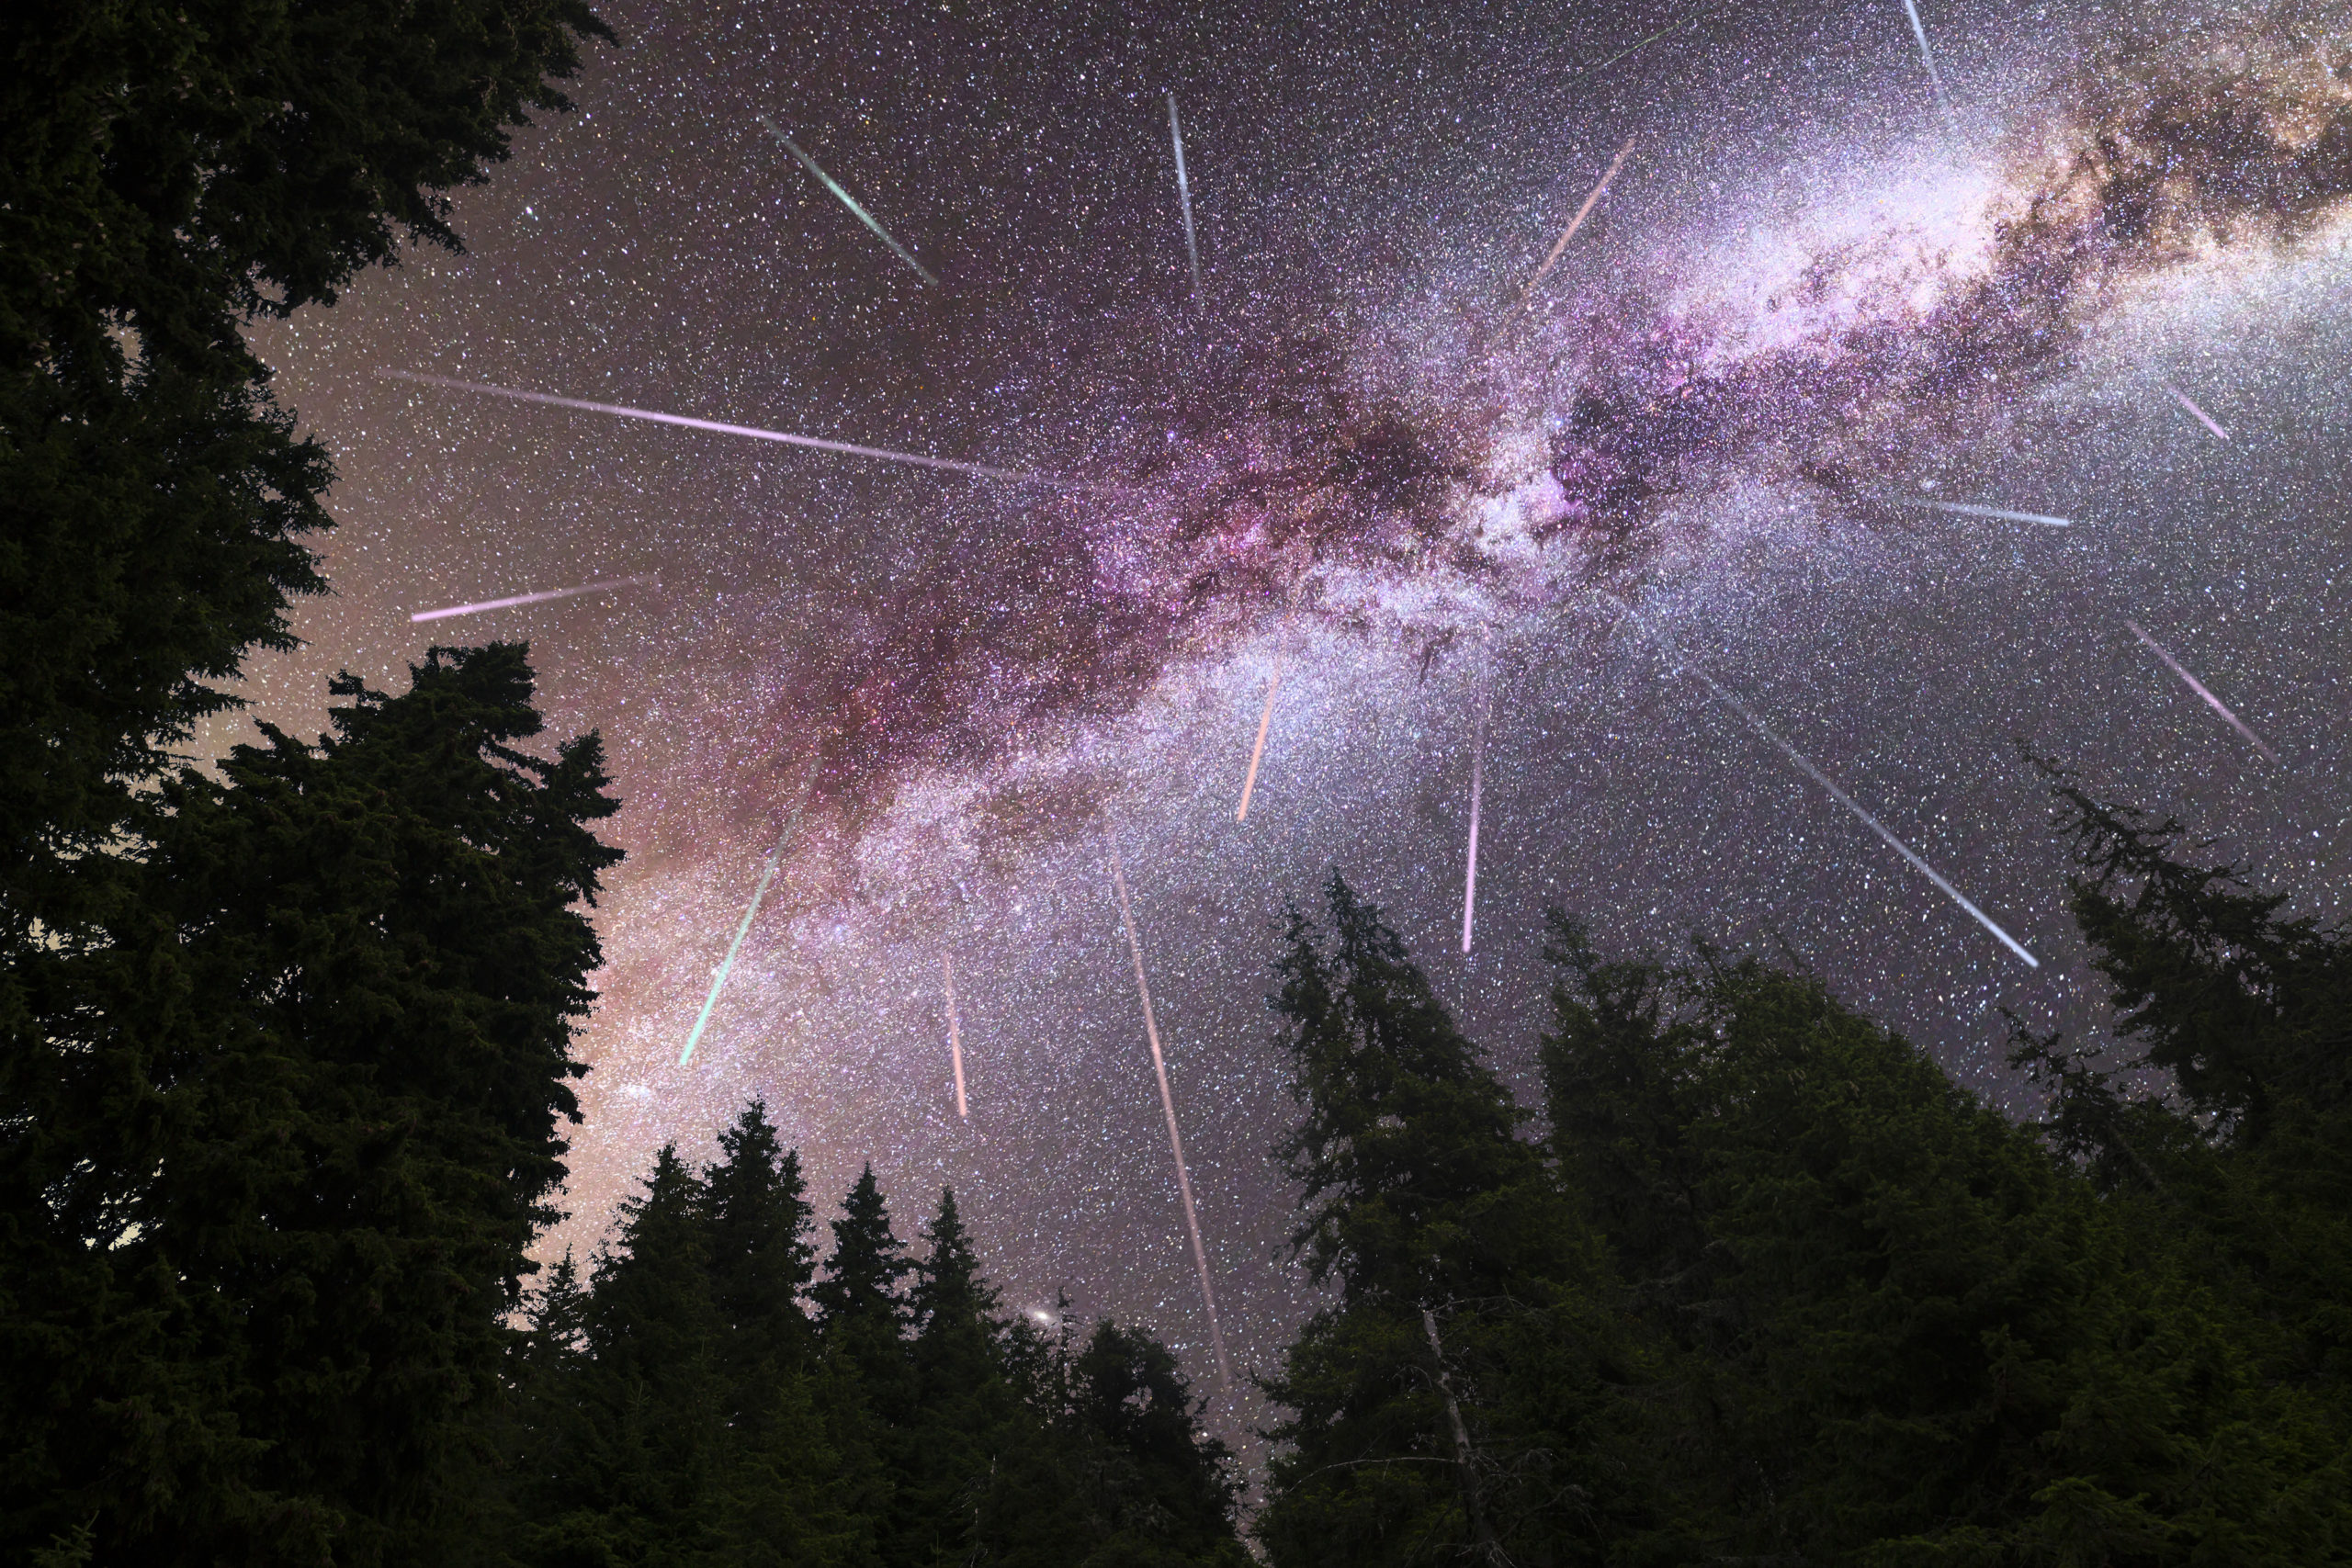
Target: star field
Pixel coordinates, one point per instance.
(1803, 304)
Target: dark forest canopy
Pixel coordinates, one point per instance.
(282, 1058)
(1770, 1288)
(701, 1396)
(312, 1105)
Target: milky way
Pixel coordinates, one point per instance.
(1805, 390)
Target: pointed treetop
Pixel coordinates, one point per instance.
(869, 1263)
(950, 1292)
(1408, 1137)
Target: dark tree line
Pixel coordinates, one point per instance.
(705, 1396)
(1765, 1287)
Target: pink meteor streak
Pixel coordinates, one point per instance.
(1477, 778)
(529, 598)
(954, 1036)
(2206, 419)
(1168, 1104)
(1576, 222)
(2194, 684)
(754, 432)
(1265, 721)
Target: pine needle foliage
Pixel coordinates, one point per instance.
(1774, 1289)
(1443, 1406)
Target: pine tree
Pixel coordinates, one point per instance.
(1892, 1328)
(631, 1441)
(632, 1449)
(657, 1424)
(865, 1385)
(780, 1499)
(761, 1262)
(1104, 1464)
(346, 1009)
(1163, 1491)
(862, 1302)
(964, 1416)
(1445, 1403)
(2239, 1119)
(174, 171)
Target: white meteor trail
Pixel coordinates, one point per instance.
(814, 443)
(1184, 196)
(2194, 684)
(847, 200)
(1926, 58)
(1804, 766)
(2207, 420)
(1967, 511)
(1168, 1104)
(1590, 202)
(538, 598)
(1477, 779)
(954, 1036)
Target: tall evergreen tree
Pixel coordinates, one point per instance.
(175, 171)
(1445, 1403)
(862, 1300)
(635, 1439)
(659, 1401)
(1891, 1329)
(1161, 1491)
(344, 1023)
(761, 1262)
(655, 1424)
(786, 1496)
(866, 1384)
(965, 1416)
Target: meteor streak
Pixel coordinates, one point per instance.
(1943, 101)
(954, 1036)
(528, 598)
(1477, 778)
(1265, 720)
(1575, 223)
(1168, 1104)
(814, 443)
(1639, 47)
(1804, 766)
(767, 873)
(1967, 511)
(2189, 403)
(847, 200)
(718, 981)
(2194, 684)
(1184, 196)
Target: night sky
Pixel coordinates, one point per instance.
(1809, 302)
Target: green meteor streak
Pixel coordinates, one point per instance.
(718, 981)
(848, 200)
(768, 875)
(1639, 47)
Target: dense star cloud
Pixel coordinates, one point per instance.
(1804, 306)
